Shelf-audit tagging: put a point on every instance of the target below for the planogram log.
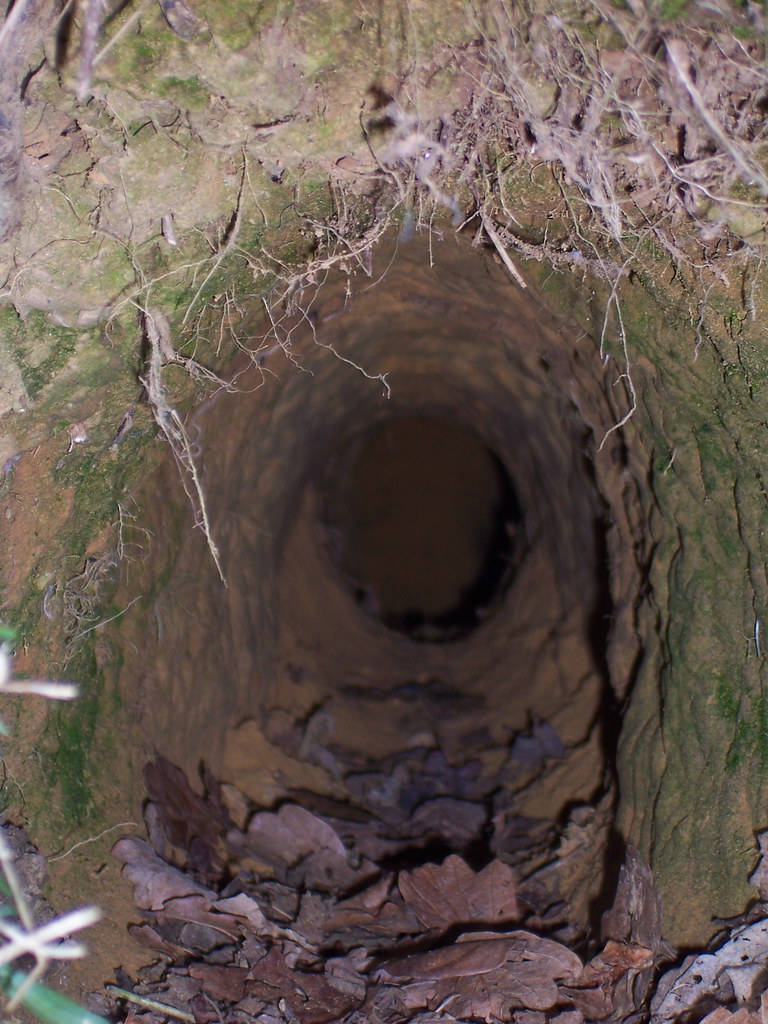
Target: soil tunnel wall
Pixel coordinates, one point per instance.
(294, 658)
(290, 660)
(640, 573)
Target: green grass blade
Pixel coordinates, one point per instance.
(48, 1006)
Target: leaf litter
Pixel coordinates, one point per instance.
(317, 911)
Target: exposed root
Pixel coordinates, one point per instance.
(185, 452)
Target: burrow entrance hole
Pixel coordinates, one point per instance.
(427, 526)
(414, 571)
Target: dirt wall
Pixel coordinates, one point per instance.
(350, 201)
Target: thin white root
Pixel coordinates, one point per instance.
(490, 230)
(162, 352)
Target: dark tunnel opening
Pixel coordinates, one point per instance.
(419, 598)
(427, 526)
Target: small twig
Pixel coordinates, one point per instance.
(123, 28)
(505, 257)
(17, 893)
(15, 15)
(677, 59)
(94, 16)
(149, 1004)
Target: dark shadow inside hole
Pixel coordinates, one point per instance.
(430, 528)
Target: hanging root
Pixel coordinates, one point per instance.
(161, 353)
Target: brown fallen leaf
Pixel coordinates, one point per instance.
(457, 822)
(347, 972)
(636, 912)
(594, 1003)
(311, 998)
(617, 958)
(224, 984)
(303, 849)
(148, 937)
(168, 892)
(197, 910)
(154, 881)
(529, 1017)
(494, 997)
(485, 975)
(598, 993)
(564, 1017)
(137, 1017)
(451, 893)
(722, 1015)
(285, 837)
(245, 907)
(370, 917)
(204, 1011)
(481, 952)
(193, 824)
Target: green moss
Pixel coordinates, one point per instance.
(146, 53)
(186, 92)
(739, 748)
(759, 722)
(235, 22)
(67, 762)
(716, 462)
(750, 738)
(41, 348)
(670, 10)
(727, 702)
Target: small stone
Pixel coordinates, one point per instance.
(77, 435)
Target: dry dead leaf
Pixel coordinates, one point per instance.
(247, 908)
(722, 1015)
(192, 823)
(636, 912)
(759, 877)
(154, 881)
(348, 971)
(485, 975)
(148, 937)
(456, 822)
(285, 837)
(564, 1017)
(493, 976)
(615, 961)
(738, 966)
(452, 893)
(471, 954)
(197, 910)
(311, 998)
(167, 891)
(593, 1003)
(371, 916)
(225, 984)
(303, 849)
